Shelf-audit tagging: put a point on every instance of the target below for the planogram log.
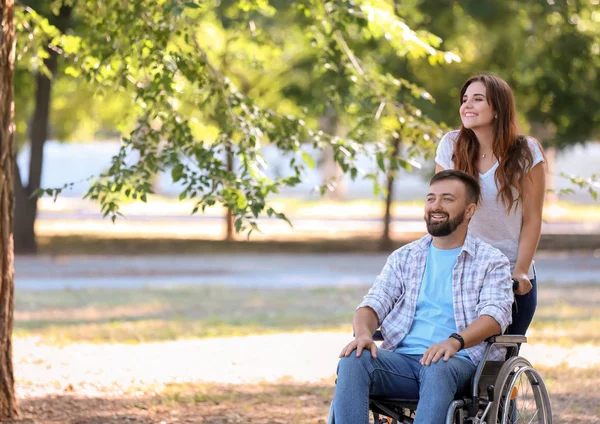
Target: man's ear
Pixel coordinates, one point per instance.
(471, 209)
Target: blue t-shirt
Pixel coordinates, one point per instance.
(434, 318)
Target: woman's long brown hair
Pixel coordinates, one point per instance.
(511, 148)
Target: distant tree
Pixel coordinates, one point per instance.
(51, 102)
(26, 201)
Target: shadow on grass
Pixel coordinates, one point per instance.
(78, 245)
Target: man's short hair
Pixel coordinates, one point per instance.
(472, 188)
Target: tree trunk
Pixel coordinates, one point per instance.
(26, 206)
(229, 214)
(386, 241)
(332, 172)
(24, 218)
(8, 402)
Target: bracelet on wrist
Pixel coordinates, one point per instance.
(458, 337)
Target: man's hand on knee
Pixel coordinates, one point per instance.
(446, 349)
(359, 344)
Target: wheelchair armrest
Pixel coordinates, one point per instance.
(507, 338)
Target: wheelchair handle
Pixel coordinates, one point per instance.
(515, 284)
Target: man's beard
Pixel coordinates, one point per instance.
(445, 228)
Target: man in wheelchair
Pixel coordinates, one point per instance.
(436, 300)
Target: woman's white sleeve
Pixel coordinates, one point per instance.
(443, 156)
(536, 152)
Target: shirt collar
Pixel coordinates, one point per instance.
(468, 246)
(423, 244)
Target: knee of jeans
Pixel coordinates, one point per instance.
(355, 363)
(440, 370)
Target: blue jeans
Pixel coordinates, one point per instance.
(397, 375)
(523, 311)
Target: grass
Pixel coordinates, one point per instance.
(158, 314)
(566, 316)
(214, 393)
(573, 393)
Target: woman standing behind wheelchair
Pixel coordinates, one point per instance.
(510, 168)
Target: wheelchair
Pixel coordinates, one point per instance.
(502, 392)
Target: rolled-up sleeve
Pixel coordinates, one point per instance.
(496, 296)
(388, 287)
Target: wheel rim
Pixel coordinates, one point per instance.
(523, 400)
(531, 395)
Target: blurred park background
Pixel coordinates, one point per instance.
(259, 160)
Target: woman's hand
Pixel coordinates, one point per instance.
(525, 285)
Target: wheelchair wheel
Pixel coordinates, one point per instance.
(520, 395)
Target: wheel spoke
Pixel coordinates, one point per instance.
(534, 415)
(524, 388)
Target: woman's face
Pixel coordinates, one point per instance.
(475, 111)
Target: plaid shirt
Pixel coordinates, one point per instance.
(481, 285)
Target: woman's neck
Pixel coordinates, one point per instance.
(485, 137)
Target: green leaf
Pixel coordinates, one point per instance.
(376, 188)
(177, 11)
(177, 172)
(70, 44)
(284, 218)
(72, 71)
(380, 161)
(309, 160)
(191, 5)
